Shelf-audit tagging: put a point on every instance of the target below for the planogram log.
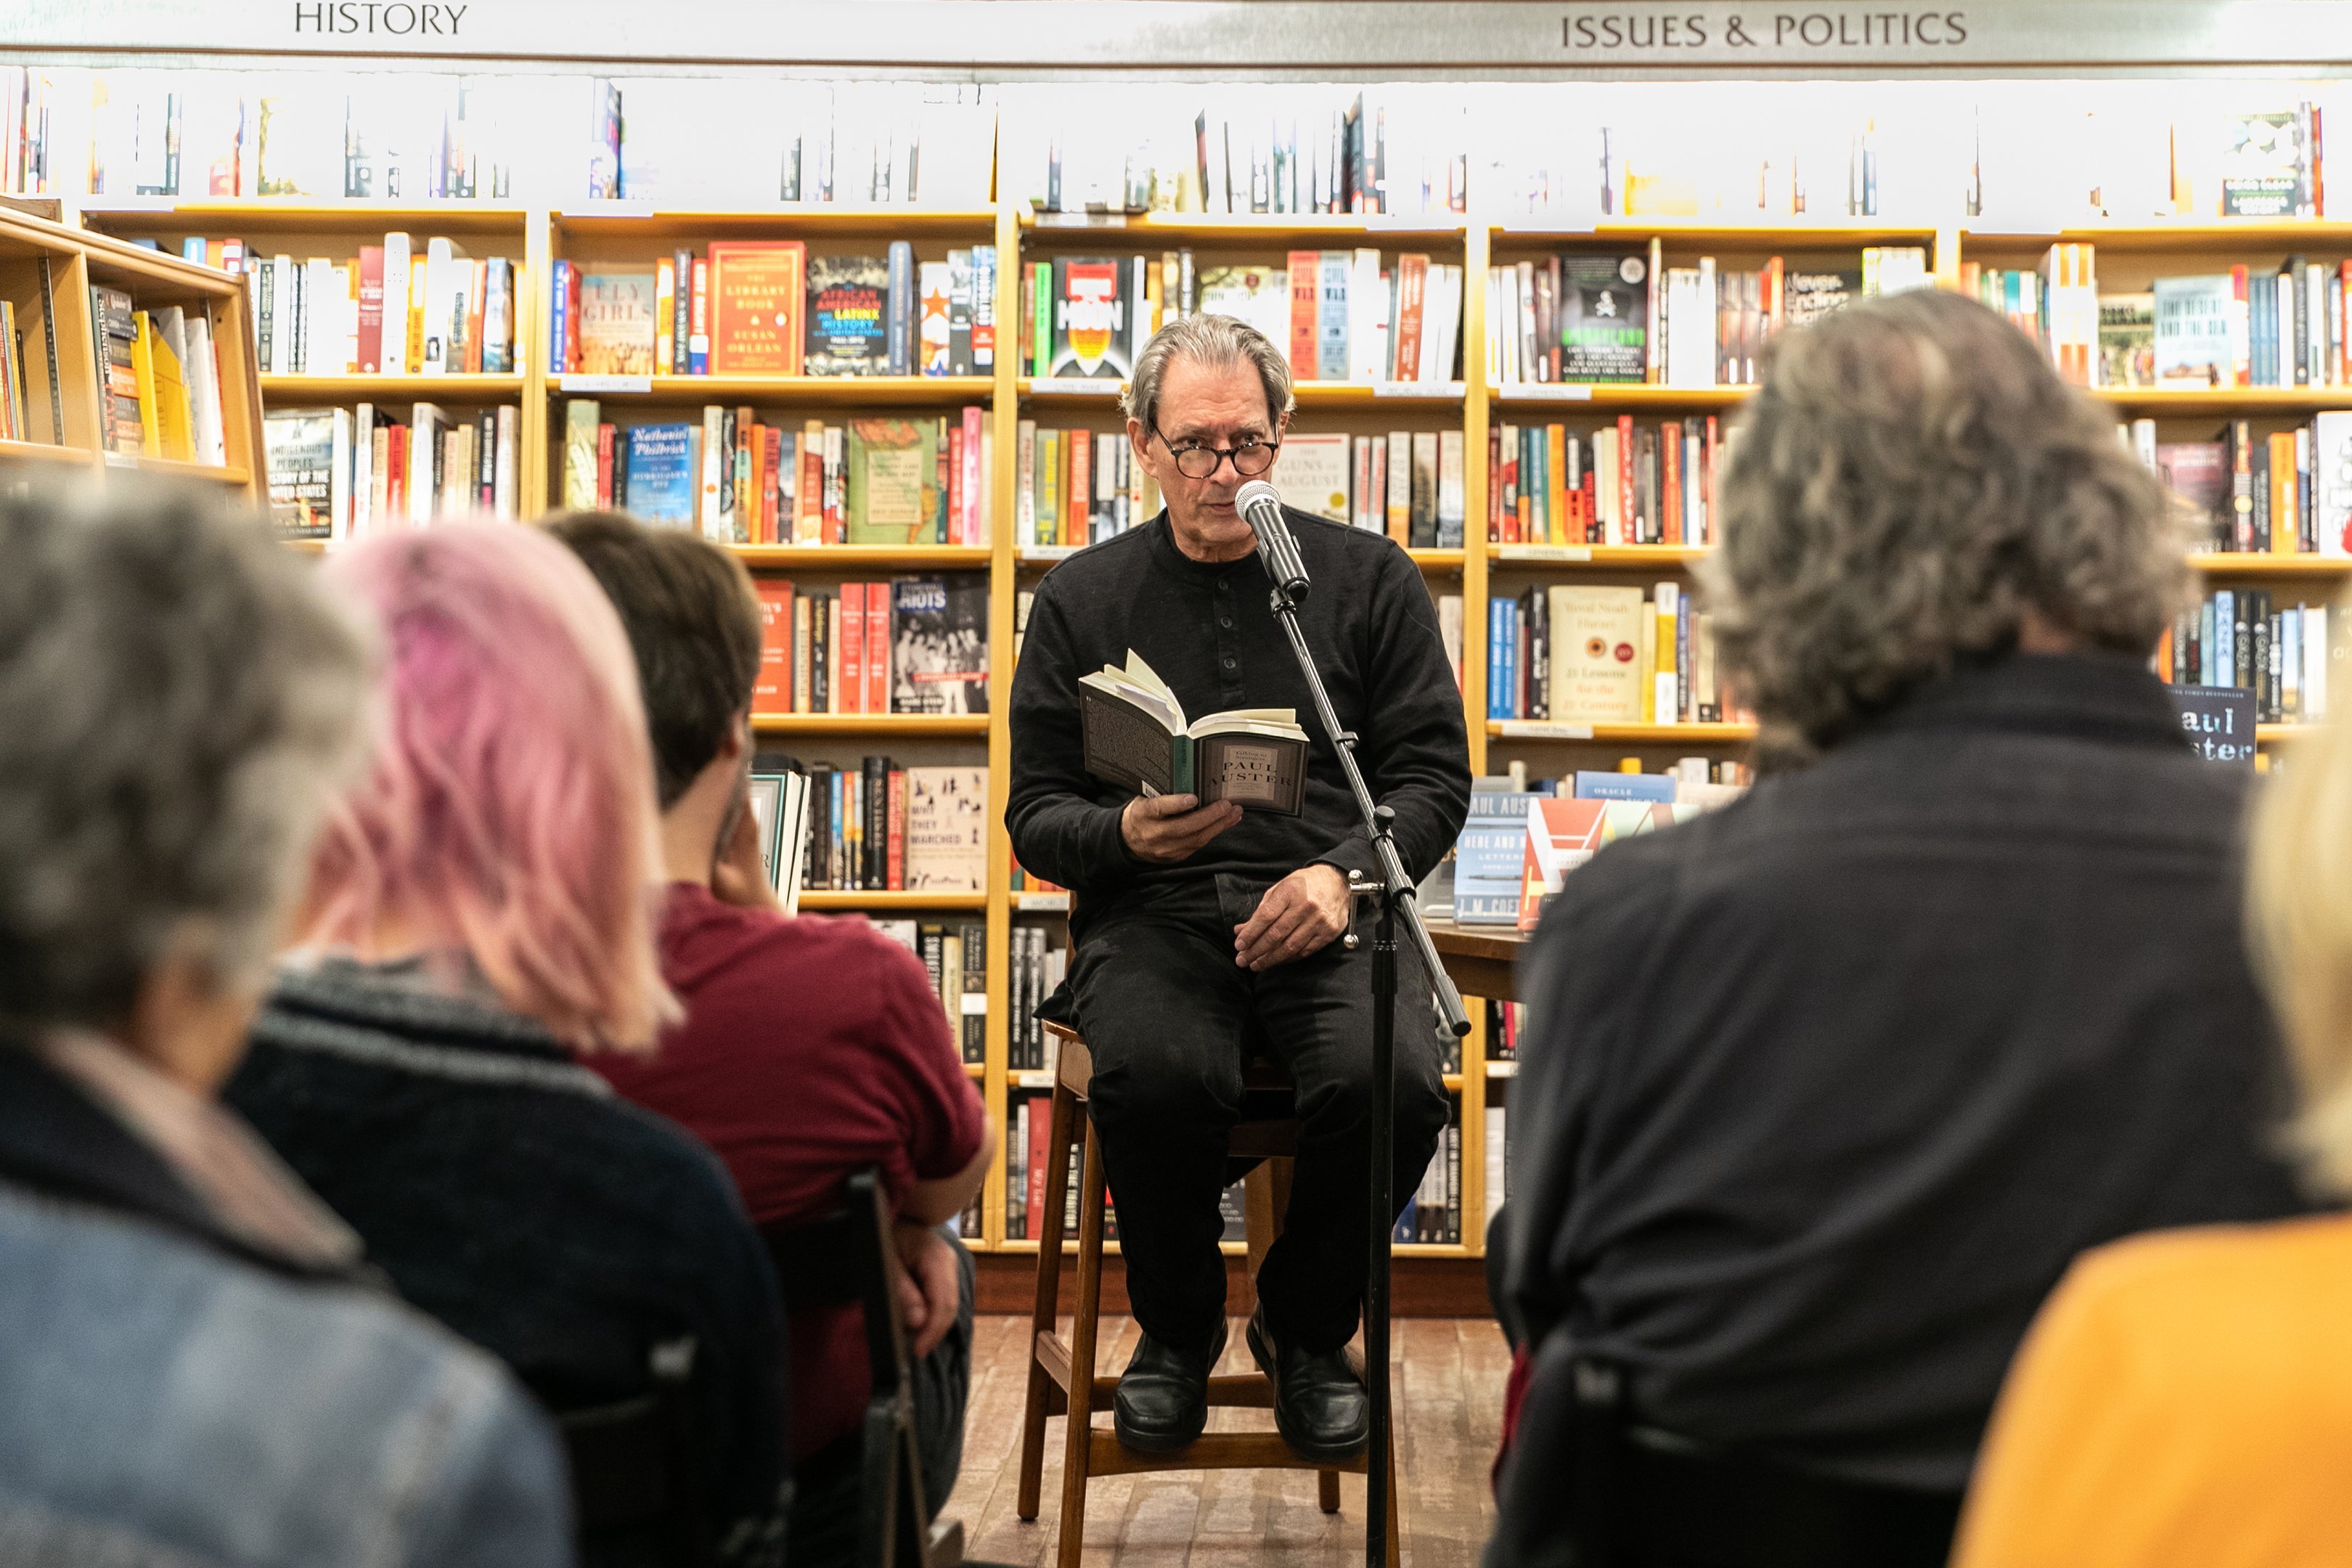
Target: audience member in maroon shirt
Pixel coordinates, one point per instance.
(813, 1046)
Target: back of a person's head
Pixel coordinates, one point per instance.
(509, 810)
(178, 700)
(2299, 907)
(1910, 479)
(693, 622)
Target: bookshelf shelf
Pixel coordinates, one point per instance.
(1439, 560)
(267, 215)
(2271, 734)
(1395, 395)
(1793, 234)
(1018, 1244)
(906, 725)
(2180, 235)
(1623, 734)
(976, 1069)
(819, 900)
(285, 389)
(231, 474)
(1622, 557)
(2252, 564)
(630, 220)
(1255, 229)
(876, 557)
(1571, 396)
(2159, 402)
(836, 391)
(43, 453)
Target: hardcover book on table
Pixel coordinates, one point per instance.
(1489, 854)
(847, 299)
(1601, 316)
(758, 294)
(939, 644)
(1559, 835)
(1137, 737)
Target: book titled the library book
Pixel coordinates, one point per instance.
(1137, 737)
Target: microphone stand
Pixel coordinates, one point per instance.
(1397, 905)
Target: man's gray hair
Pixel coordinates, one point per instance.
(178, 696)
(1911, 478)
(1216, 341)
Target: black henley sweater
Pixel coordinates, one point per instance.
(1210, 633)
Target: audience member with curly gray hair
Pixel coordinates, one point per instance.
(195, 1367)
(1824, 1091)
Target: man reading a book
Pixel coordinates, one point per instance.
(1214, 919)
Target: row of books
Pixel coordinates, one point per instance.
(1194, 150)
(1038, 958)
(15, 413)
(1432, 1216)
(1078, 486)
(1625, 317)
(1582, 653)
(391, 309)
(161, 395)
(1516, 846)
(1620, 484)
(1407, 483)
(868, 481)
(1340, 315)
(956, 959)
(2240, 637)
(2283, 492)
(1028, 1120)
(880, 826)
(2250, 326)
(768, 307)
(340, 474)
(914, 645)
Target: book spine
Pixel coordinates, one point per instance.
(877, 648)
(681, 314)
(899, 319)
(895, 811)
(698, 341)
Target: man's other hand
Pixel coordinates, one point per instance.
(1299, 915)
(929, 1291)
(1166, 828)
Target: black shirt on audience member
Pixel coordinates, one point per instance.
(511, 1195)
(1825, 1090)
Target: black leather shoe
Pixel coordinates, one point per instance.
(1319, 1403)
(1162, 1402)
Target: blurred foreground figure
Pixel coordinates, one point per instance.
(194, 1367)
(2187, 1399)
(1825, 1090)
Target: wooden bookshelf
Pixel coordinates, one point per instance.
(65, 427)
(618, 231)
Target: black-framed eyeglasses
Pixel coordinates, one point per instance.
(1194, 461)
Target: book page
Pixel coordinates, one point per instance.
(1122, 746)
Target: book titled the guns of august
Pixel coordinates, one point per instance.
(1137, 737)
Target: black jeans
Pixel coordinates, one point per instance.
(1168, 1018)
(826, 1484)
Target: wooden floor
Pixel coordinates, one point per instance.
(1449, 1379)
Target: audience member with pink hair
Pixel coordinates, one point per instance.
(480, 908)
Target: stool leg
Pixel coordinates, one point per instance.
(1396, 1550)
(1048, 1301)
(1082, 1354)
(1326, 1491)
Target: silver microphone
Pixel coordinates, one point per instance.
(1261, 504)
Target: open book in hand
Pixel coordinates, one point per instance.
(1137, 737)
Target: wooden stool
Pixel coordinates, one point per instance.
(1054, 1390)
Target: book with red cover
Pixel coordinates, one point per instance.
(1411, 278)
(371, 344)
(756, 300)
(1079, 495)
(1039, 1123)
(603, 465)
(1306, 271)
(878, 650)
(771, 692)
(1561, 836)
(850, 666)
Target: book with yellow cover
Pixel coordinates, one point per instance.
(174, 428)
(1597, 636)
(142, 373)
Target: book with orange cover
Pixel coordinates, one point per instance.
(1306, 269)
(757, 306)
(1561, 836)
(771, 692)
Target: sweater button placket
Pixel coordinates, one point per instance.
(1229, 664)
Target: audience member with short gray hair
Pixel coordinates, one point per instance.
(196, 1366)
(1824, 1091)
